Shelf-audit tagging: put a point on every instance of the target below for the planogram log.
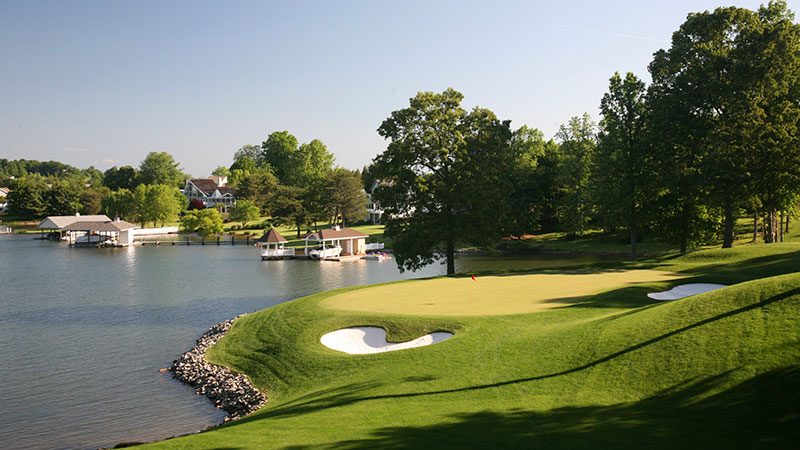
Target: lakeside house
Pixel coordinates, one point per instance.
(4, 191)
(350, 241)
(374, 211)
(117, 233)
(272, 246)
(56, 225)
(211, 191)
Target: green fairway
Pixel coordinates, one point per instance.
(616, 370)
(490, 295)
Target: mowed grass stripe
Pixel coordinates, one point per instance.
(491, 295)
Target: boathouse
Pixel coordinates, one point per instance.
(272, 246)
(352, 242)
(56, 224)
(115, 233)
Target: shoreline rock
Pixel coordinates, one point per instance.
(231, 392)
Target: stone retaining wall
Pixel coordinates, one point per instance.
(229, 391)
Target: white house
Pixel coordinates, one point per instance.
(210, 191)
(374, 211)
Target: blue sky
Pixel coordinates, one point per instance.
(104, 82)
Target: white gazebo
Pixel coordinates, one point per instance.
(336, 241)
(272, 246)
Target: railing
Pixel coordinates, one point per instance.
(271, 252)
(374, 246)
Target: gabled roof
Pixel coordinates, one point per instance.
(208, 186)
(59, 222)
(4, 191)
(100, 225)
(272, 237)
(344, 233)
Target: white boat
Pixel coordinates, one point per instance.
(325, 253)
(377, 256)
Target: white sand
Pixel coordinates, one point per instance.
(685, 290)
(364, 340)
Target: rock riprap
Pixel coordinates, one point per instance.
(232, 392)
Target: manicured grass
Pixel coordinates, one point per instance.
(618, 370)
(492, 294)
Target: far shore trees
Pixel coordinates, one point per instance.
(244, 211)
(444, 178)
(205, 222)
(577, 141)
(161, 168)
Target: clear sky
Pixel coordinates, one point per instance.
(105, 82)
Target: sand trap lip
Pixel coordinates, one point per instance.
(685, 290)
(366, 340)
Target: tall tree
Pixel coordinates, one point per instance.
(344, 197)
(27, 197)
(259, 187)
(620, 163)
(445, 178)
(278, 152)
(578, 142)
(244, 211)
(309, 165)
(124, 177)
(205, 222)
(289, 207)
(161, 168)
(120, 203)
(247, 151)
(527, 147)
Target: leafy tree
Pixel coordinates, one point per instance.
(344, 197)
(309, 165)
(93, 176)
(157, 203)
(368, 177)
(620, 163)
(27, 197)
(91, 199)
(577, 146)
(244, 211)
(277, 152)
(289, 207)
(527, 147)
(221, 171)
(247, 151)
(445, 178)
(205, 222)
(120, 203)
(161, 168)
(240, 169)
(124, 177)
(258, 187)
(64, 198)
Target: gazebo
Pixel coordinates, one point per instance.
(272, 246)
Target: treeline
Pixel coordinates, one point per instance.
(713, 138)
(296, 184)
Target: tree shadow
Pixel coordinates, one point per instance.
(759, 413)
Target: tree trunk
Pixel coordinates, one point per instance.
(787, 223)
(633, 231)
(728, 233)
(298, 231)
(780, 227)
(755, 225)
(451, 257)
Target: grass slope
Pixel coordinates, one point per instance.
(721, 369)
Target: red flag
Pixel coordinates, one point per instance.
(473, 277)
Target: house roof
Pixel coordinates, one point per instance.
(344, 233)
(59, 222)
(272, 237)
(100, 225)
(208, 186)
(4, 191)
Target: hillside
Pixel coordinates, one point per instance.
(612, 370)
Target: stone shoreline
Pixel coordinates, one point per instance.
(231, 392)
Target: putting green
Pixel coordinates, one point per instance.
(491, 294)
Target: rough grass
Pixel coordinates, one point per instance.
(717, 370)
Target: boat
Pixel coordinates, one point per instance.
(325, 252)
(377, 256)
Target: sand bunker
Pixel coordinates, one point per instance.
(685, 290)
(364, 340)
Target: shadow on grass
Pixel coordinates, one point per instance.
(352, 393)
(759, 413)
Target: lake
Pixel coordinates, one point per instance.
(84, 332)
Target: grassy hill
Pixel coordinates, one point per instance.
(612, 370)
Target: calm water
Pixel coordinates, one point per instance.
(83, 332)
